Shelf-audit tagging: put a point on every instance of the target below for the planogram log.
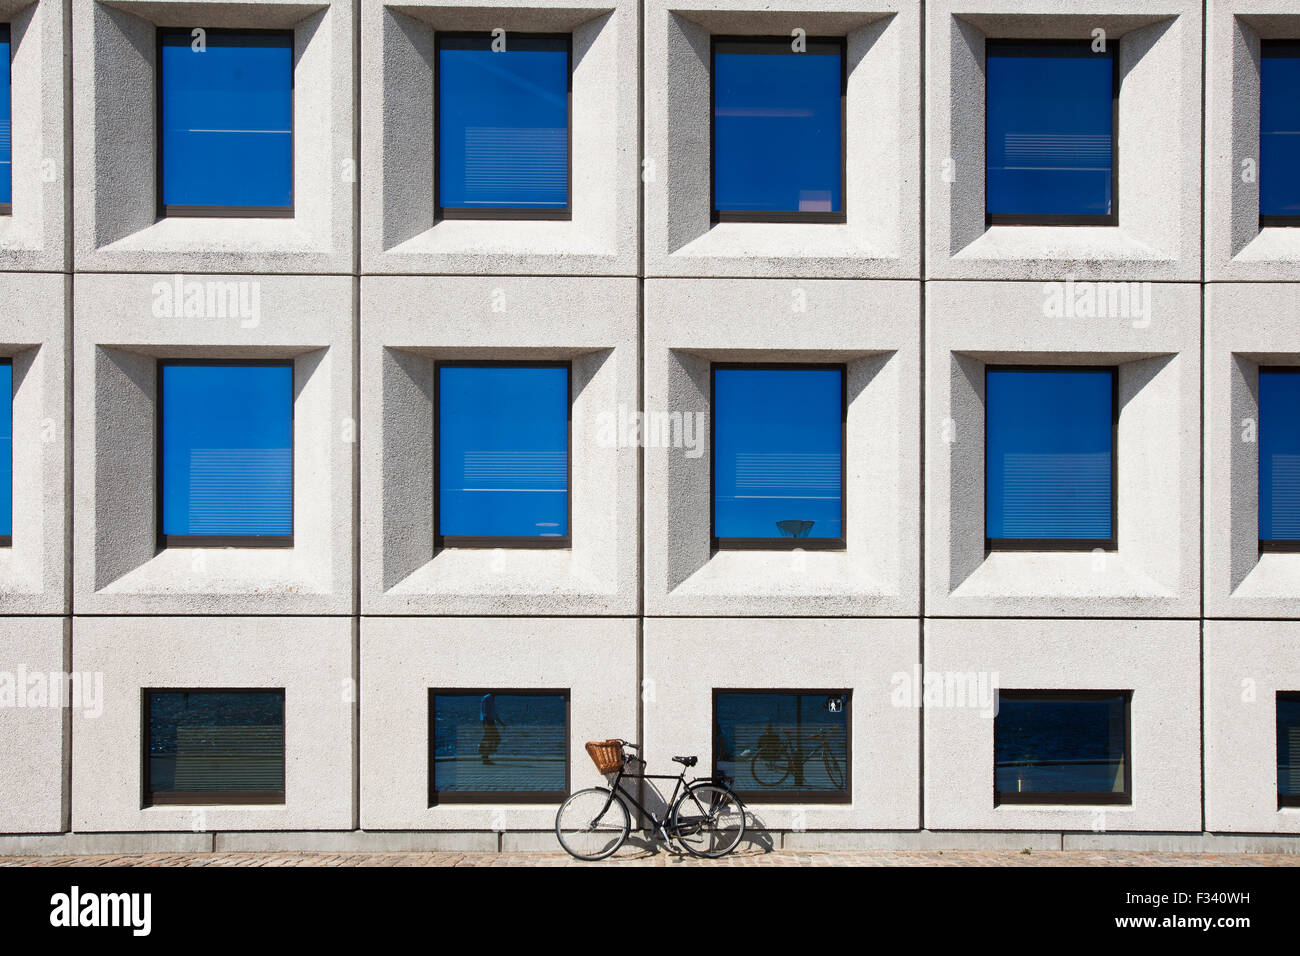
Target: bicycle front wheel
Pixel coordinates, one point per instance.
(592, 824)
(709, 820)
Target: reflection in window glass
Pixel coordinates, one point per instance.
(503, 123)
(1049, 453)
(487, 742)
(208, 745)
(503, 450)
(1288, 749)
(1279, 128)
(6, 448)
(777, 126)
(778, 437)
(1050, 123)
(6, 120)
(774, 744)
(1279, 454)
(1051, 745)
(227, 120)
(227, 450)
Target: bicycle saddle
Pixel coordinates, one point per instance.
(686, 761)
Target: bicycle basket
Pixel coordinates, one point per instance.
(607, 755)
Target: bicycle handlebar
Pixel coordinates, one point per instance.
(628, 743)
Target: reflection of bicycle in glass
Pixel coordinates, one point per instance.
(781, 755)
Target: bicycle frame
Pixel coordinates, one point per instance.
(678, 788)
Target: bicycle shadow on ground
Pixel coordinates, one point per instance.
(645, 842)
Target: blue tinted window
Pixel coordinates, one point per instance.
(1279, 129)
(503, 451)
(777, 446)
(1049, 453)
(1288, 749)
(1279, 454)
(503, 123)
(6, 449)
(778, 745)
(777, 127)
(204, 745)
(1050, 123)
(1049, 745)
(6, 124)
(488, 742)
(227, 120)
(227, 449)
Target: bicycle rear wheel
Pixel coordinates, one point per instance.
(833, 769)
(592, 824)
(709, 820)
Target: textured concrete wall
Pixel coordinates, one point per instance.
(365, 290)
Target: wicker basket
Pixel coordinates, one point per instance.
(607, 755)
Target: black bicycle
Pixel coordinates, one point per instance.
(704, 815)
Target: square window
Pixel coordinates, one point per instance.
(1049, 458)
(778, 456)
(6, 124)
(503, 126)
(225, 128)
(1052, 131)
(6, 452)
(1279, 459)
(502, 455)
(1062, 747)
(1279, 133)
(498, 746)
(226, 453)
(1288, 749)
(778, 130)
(214, 746)
(783, 746)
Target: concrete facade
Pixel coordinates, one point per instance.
(640, 620)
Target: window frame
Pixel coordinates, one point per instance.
(164, 540)
(1274, 545)
(837, 797)
(1057, 219)
(443, 798)
(512, 213)
(164, 211)
(777, 543)
(7, 540)
(1292, 49)
(777, 216)
(551, 542)
(1069, 798)
(1059, 544)
(149, 799)
(1287, 799)
(6, 36)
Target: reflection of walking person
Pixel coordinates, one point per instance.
(487, 717)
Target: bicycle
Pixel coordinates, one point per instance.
(706, 818)
(772, 764)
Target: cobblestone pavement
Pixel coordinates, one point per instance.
(643, 858)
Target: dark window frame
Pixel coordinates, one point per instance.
(1274, 545)
(1028, 47)
(163, 211)
(1283, 799)
(554, 542)
(7, 540)
(164, 540)
(209, 797)
(6, 36)
(755, 215)
(441, 212)
(832, 797)
(1059, 544)
(445, 797)
(1279, 48)
(778, 543)
(1069, 798)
